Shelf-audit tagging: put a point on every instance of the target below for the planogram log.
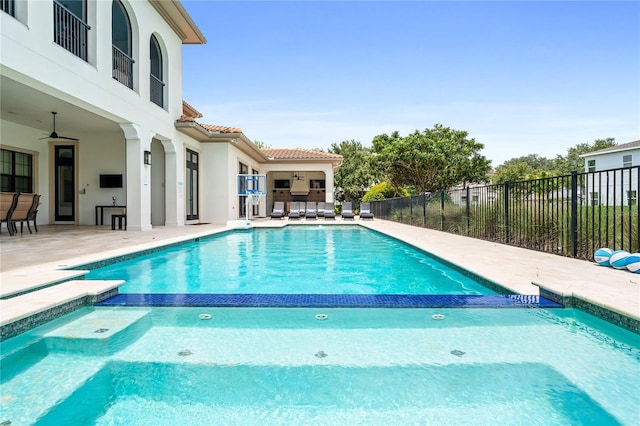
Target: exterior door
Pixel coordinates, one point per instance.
(192, 185)
(243, 169)
(65, 185)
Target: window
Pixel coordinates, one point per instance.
(632, 197)
(156, 81)
(70, 27)
(8, 6)
(16, 171)
(595, 198)
(121, 45)
(591, 165)
(627, 160)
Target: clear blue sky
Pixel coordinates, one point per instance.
(520, 77)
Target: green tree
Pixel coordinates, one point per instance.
(432, 160)
(572, 161)
(382, 191)
(513, 170)
(261, 145)
(355, 175)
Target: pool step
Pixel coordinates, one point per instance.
(26, 311)
(100, 333)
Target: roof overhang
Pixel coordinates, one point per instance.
(335, 162)
(179, 20)
(239, 140)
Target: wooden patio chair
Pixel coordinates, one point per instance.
(8, 201)
(21, 211)
(31, 215)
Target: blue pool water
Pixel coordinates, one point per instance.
(300, 260)
(167, 366)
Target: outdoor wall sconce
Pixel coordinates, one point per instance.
(147, 158)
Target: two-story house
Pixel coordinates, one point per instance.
(612, 175)
(92, 114)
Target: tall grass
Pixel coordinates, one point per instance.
(544, 225)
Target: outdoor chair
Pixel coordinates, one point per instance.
(365, 211)
(329, 211)
(347, 211)
(303, 208)
(21, 211)
(320, 212)
(311, 211)
(294, 213)
(278, 210)
(31, 214)
(8, 201)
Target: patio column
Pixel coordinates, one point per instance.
(174, 172)
(137, 142)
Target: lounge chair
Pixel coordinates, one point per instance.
(8, 201)
(365, 211)
(329, 211)
(278, 210)
(294, 213)
(320, 212)
(311, 212)
(347, 211)
(303, 208)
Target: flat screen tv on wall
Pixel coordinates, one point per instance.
(110, 181)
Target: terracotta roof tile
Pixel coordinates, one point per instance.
(221, 129)
(210, 127)
(189, 111)
(298, 154)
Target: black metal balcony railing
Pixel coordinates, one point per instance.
(69, 31)
(157, 91)
(8, 6)
(122, 67)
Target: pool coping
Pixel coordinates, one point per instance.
(574, 298)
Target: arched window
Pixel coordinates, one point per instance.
(122, 44)
(157, 82)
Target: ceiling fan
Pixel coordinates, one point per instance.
(55, 135)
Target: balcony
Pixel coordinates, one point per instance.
(8, 6)
(69, 31)
(122, 67)
(157, 91)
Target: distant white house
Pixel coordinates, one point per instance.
(112, 72)
(612, 175)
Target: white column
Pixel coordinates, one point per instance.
(174, 186)
(329, 183)
(138, 177)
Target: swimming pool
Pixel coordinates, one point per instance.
(291, 260)
(202, 366)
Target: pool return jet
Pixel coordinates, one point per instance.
(253, 188)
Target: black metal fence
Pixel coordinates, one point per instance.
(571, 215)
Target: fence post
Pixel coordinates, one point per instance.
(411, 210)
(442, 211)
(506, 212)
(424, 209)
(574, 213)
(468, 209)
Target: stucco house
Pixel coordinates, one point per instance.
(92, 111)
(612, 175)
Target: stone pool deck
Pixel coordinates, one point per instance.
(31, 265)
